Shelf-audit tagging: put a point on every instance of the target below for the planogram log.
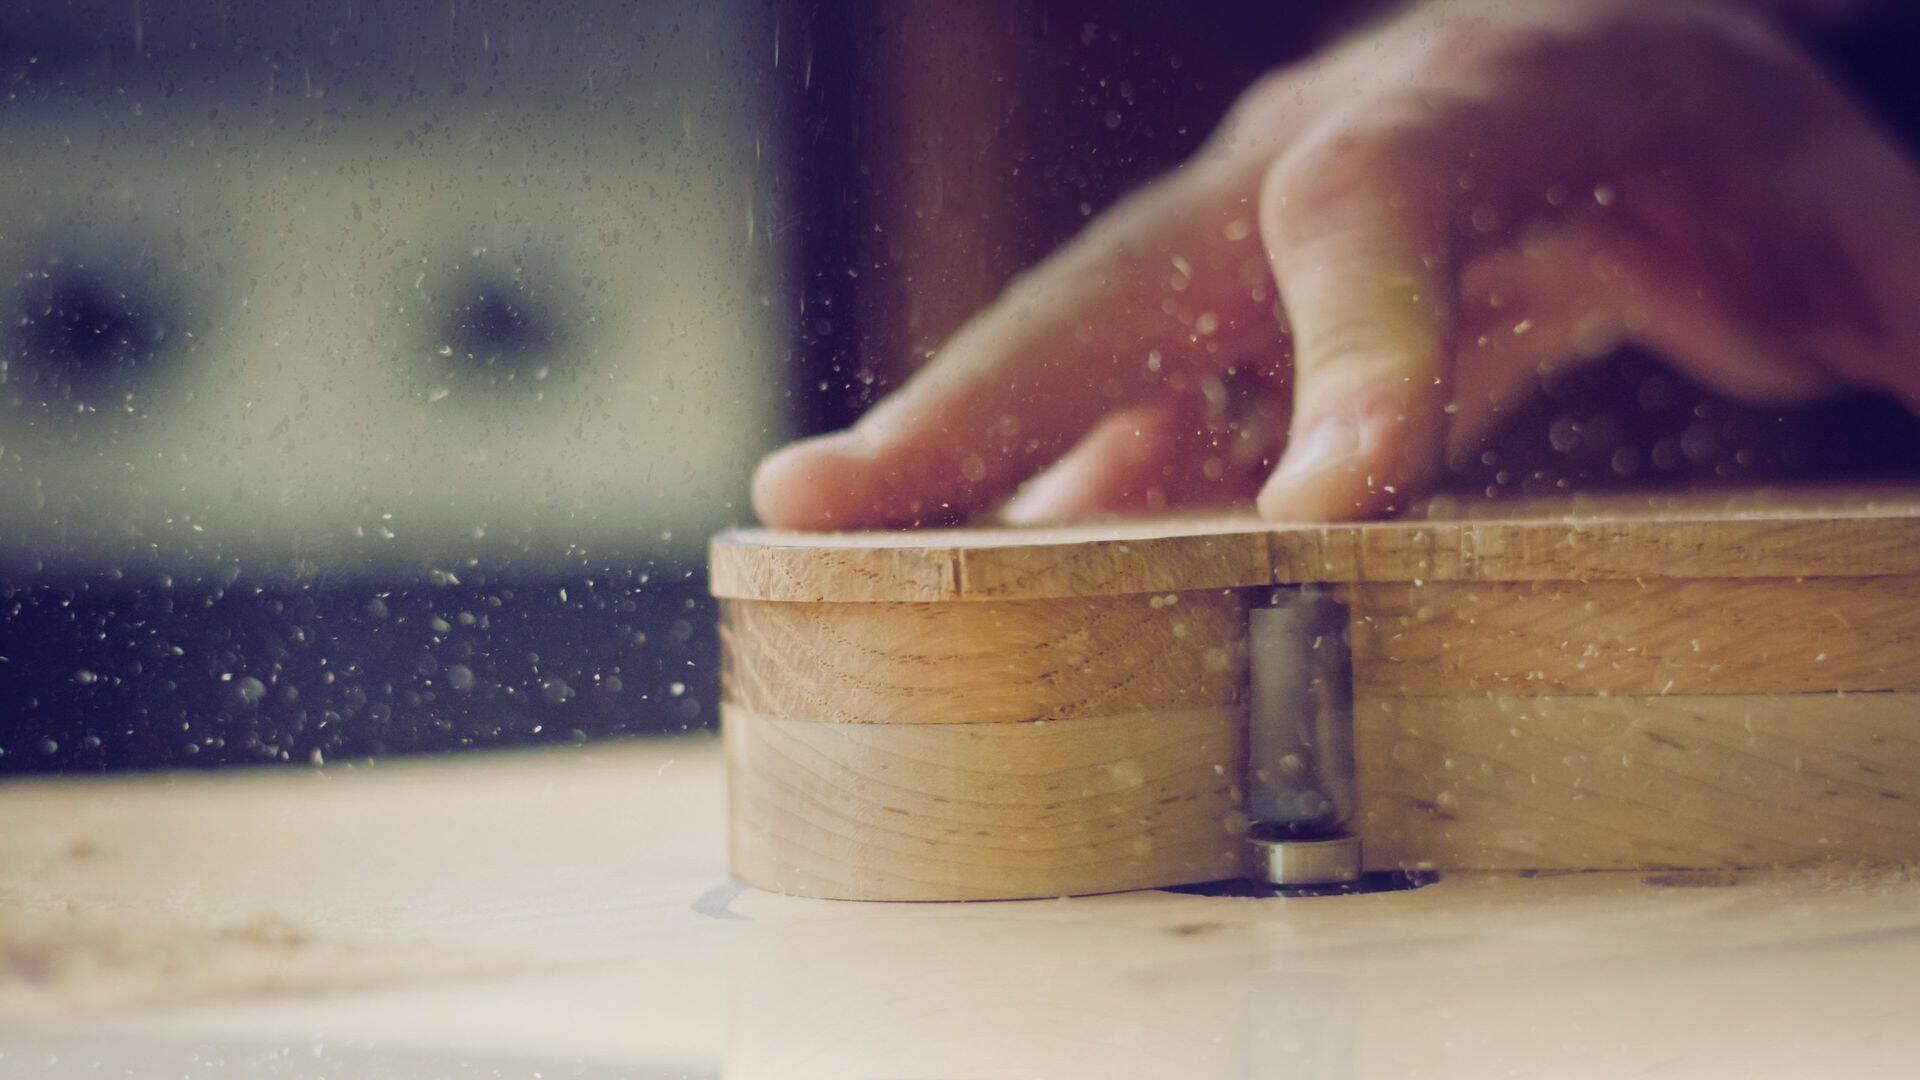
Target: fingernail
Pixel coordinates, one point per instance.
(1328, 443)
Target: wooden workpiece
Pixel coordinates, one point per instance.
(1765, 533)
(1701, 681)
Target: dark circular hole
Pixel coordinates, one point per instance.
(80, 336)
(500, 330)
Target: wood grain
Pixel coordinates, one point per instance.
(985, 811)
(1706, 636)
(1862, 531)
(990, 662)
(1710, 781)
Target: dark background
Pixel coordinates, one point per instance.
(933, 150)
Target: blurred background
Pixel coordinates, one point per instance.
(372, 375)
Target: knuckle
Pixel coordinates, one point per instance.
(1274, 90)
(1465, 41)
(1259, 112)
(1382, 156)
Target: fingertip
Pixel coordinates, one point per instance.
(1316, 466)
(1119, 467)
(806, 485)
(1308, 500)
(1045, 499)
(1343, 470)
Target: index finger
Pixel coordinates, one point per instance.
(1156, 286)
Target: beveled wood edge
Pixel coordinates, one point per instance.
(1239, 552)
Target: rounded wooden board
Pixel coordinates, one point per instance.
(985, 811)
(1817, 532)
(1011, 661)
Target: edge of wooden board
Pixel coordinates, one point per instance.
(985, 811)
(1848, 533)
(1713, 781)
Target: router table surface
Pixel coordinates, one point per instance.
(567, 913)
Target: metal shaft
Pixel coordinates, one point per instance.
(1300, 783)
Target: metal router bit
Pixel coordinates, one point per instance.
(1300, 782)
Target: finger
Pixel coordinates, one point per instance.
(1175, 452)
(1682, 314)
(1875, 221)
(1124, 464)
(1572, 295)
(1159, 285)
(1356, 228)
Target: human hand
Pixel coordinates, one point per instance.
(1382, 252)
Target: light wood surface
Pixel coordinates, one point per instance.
(1862, 531)
(993, 750)
(994, 662)
(1700, 636)
(1730, 780)
(567, 913)
(986, 811)
(1107, 559)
